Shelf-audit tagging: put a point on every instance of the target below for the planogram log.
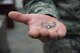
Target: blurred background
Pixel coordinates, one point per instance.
(13, 35)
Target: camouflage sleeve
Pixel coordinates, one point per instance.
(41, 7)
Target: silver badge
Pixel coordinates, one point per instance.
(48, 25)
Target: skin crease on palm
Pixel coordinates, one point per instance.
(34, 22)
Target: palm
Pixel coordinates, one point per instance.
(37, 29)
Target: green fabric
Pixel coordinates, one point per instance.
(42, 7)
(65, 45)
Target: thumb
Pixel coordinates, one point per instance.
(19, 17)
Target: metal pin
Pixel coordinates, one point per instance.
(48, 25)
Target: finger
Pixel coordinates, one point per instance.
(53, 34)
(44, 35)
(62, 31)
(34, 32)
(44, 32)
(17, 16)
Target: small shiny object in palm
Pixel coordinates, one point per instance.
(48, 25)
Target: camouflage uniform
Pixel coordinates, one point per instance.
(68, 12)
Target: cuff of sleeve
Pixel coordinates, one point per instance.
(55, 15)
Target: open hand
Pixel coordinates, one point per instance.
(40, 25)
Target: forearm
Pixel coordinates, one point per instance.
(41, 7)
